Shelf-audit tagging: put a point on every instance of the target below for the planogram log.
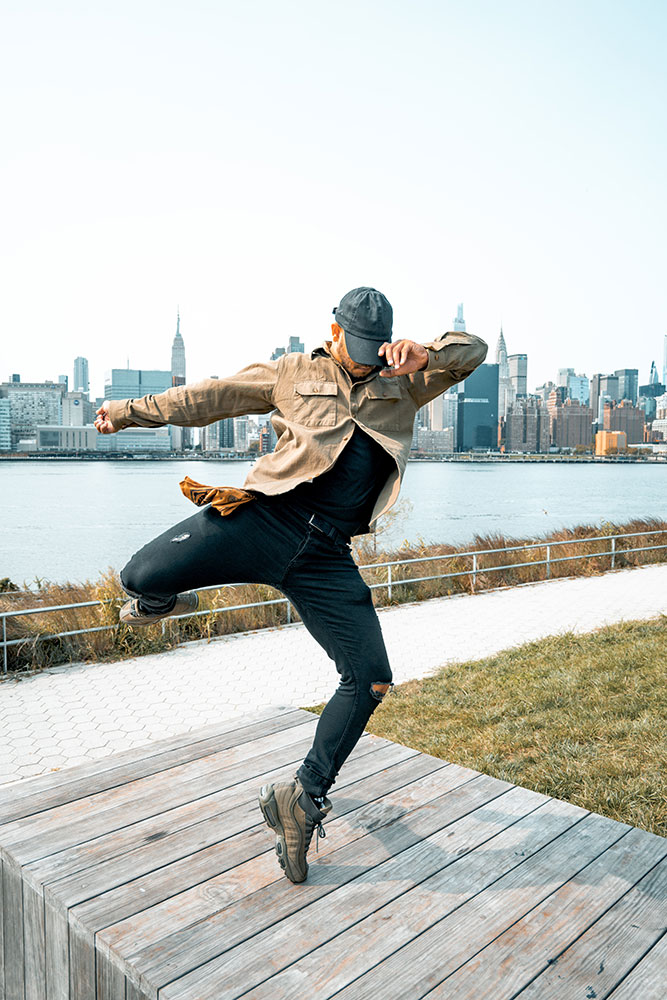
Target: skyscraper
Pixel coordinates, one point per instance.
(518, 364)
(664, 362)
(527, 428)
(459, 322)
(505, 391)
(574, 386)
(653, 377)
(5, 425)
(131, 383)
(477, 425)
(81, 383)
(595, 391)
(562, 377)
(178, 355)
(31, 404)
(628, 383)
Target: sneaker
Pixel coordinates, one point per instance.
(131, 614)
(293, 816)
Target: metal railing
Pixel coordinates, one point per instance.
(390, 583)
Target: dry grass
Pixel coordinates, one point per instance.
(597, 559)
(577, 717)
(35, 651)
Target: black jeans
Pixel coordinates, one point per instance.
(266, 541)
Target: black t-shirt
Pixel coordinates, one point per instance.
(346, 493)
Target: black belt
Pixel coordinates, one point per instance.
(328, 529)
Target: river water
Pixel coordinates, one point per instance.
(71, 520)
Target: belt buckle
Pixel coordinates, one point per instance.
(317, 527)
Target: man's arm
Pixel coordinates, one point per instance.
(249, 391)
(432, 368)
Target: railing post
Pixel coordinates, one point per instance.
(474, 570)
(4, 642)
(389, 582)
(613, 551)
(289, 613)
(548, 562)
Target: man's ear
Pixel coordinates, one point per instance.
(336, 331)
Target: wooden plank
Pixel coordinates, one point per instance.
(503, 830)
(405, 818)
(528, 951)
(19, 799)
(58, 787)
(647, 979)
(57, 954)
(605, 953)
(110, 984)
(12, 901)
(132, 992)
(34, 943)
(460, 924)
(238, 865)
(64, 826)
(157, 831)
(182, 851)
(96, 913)
(2, 937)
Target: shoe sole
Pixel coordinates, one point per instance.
(146, 621)
(269, 807)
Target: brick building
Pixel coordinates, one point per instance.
(625, 417)
(571, 423)
(527, 426)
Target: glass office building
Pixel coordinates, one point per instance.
(477, 428)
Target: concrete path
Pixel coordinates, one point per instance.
(71, 714)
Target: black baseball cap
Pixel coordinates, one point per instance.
(366, 317)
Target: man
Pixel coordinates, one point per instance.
(344, 417)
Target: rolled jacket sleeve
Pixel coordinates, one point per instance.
(451, 358)
(249, 391)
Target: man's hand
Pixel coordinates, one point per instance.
(403, 357)
(102, 421)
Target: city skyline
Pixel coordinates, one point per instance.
(497, 349)
(32, 373)
(491, 409)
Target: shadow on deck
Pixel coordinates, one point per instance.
(150, 874)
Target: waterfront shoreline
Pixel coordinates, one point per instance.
(465, 457)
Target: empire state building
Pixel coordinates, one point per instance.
(181, 437)
(178, 355)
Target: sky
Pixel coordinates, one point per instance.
(248, 163)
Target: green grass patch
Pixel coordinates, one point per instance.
(577, 717)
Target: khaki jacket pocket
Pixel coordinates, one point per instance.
(381, 405)
(314, 403)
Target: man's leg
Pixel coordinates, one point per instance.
(336, 607)
(335, 604)
(251, 545)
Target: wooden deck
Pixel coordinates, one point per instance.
(150, 874)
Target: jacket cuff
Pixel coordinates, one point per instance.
(118, 413)
(437, 350)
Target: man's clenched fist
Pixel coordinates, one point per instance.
(102, 422)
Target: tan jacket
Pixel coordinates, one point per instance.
(314, 405)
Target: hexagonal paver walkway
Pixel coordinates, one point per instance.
(79, 712)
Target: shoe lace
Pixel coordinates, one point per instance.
(312, 827)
